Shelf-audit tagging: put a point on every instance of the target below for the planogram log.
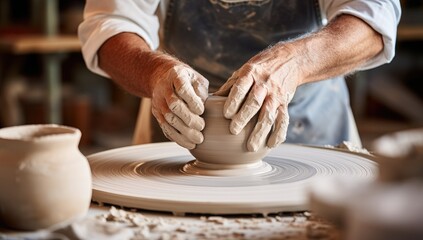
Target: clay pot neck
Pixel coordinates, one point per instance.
(39, 135)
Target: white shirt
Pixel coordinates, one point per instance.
(106, 18)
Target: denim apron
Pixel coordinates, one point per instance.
(216, 37)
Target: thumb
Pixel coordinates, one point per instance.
(201, 87)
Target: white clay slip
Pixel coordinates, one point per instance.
(223, 153)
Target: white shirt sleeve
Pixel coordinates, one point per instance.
(106, 18)
(382, 15)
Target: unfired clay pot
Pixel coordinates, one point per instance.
(221, 149)
(45, 181)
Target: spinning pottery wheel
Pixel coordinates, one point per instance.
(152, 177)
(219, 176)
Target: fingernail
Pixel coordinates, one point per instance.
(252, 147)
(202, 124)
(198, 108)
(201, 138)
(197, 137)
(235, 128)
(228, 110)
(199, 124)
(227, 115)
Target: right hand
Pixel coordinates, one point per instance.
(263, 86)
(178, 100)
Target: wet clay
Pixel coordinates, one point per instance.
(221, 152)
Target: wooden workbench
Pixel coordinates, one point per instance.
(105, 222)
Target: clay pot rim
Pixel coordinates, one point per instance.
(217, 97)
(28, 133)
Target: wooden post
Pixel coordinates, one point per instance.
(52, 63)
(51, 21)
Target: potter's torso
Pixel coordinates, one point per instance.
(216, 37)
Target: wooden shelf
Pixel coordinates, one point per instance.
(410, 32)
(51, 44)
(39, 44)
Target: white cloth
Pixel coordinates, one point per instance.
(106, 18)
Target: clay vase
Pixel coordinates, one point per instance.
(222, 150)
(45, 181)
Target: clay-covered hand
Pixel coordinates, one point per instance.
(178, 99)
(265, 84)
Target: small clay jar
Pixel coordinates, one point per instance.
(221, 149)
(45, 181)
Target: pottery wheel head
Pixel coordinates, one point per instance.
(150, 177)
(221, 149)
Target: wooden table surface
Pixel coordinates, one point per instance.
(108, 222)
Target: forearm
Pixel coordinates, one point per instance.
(266, 84)
(177, 92)
(131, 63)
(338, 49)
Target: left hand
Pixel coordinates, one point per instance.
(266, 83)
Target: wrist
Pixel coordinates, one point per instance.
(158, 64)
(290, 62)
(300, 60)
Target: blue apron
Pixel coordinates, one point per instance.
(216, 38)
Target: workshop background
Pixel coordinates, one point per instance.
(43, 78)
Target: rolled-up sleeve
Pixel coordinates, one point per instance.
(106, 18)
(382, 15)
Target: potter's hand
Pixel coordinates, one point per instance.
(266, 83)
(178, 99)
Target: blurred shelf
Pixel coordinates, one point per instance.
(410, 32)
(51, 44)
(51, 47)
(42, 44)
